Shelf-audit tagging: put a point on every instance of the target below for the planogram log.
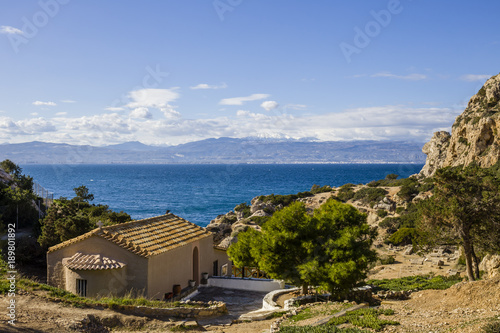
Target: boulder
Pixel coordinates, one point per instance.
(226, 242)
(257, 205)
(421, 196)
(491, 265)
(386, 204)
(260, 213)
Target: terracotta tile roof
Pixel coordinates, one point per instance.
(146, 237)
(91, 262)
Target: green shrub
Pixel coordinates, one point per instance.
(369, 195)
(461, 260)
(284, 200)
(386, 260)
(482, 92)
(345, 192)
(244, 208)
(408, 191)
(420, 282)
(382, 213)
(374, 183)
(315, 189)
(389, 181)
(391, 224)
(259, 220)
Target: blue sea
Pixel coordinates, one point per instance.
(199, 193)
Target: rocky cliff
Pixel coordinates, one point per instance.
(474, 137)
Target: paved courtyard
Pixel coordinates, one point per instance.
(238, 302)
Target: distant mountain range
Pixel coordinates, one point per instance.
(218, 151)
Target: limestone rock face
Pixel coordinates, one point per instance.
(475, 135)
(436, 151)
(491, 265)
(257, 205)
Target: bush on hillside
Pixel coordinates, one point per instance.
(244, 208)
(346, 192)
(382, 213)
(284, 200)
(369, 195)
(315, 189)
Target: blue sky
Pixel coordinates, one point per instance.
(169, 72)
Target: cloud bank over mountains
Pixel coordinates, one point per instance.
(140, 121)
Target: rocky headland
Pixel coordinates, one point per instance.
(474, 136)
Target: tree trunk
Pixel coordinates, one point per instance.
(476, 262)
(468, 257)
(304, 289)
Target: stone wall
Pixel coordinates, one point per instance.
(213, 309)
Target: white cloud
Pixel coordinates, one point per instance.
(296, 106)
(34, 114)
(68, 101)
(114, 109)
(36, 126)
(170, 113)
(61, 113)
(40, 103)
(8, 30)
(410, 77)
(475, 77)
(241, 100)
(141, 113)
(371, 123)
(8, 125)
(157, 98)
(269, 105)
(207, 86)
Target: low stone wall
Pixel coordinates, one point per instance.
(264, 285)
(214, 309)
(268, 302)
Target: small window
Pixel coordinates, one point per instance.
(81, 287)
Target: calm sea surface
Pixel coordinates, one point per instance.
(199, 193)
